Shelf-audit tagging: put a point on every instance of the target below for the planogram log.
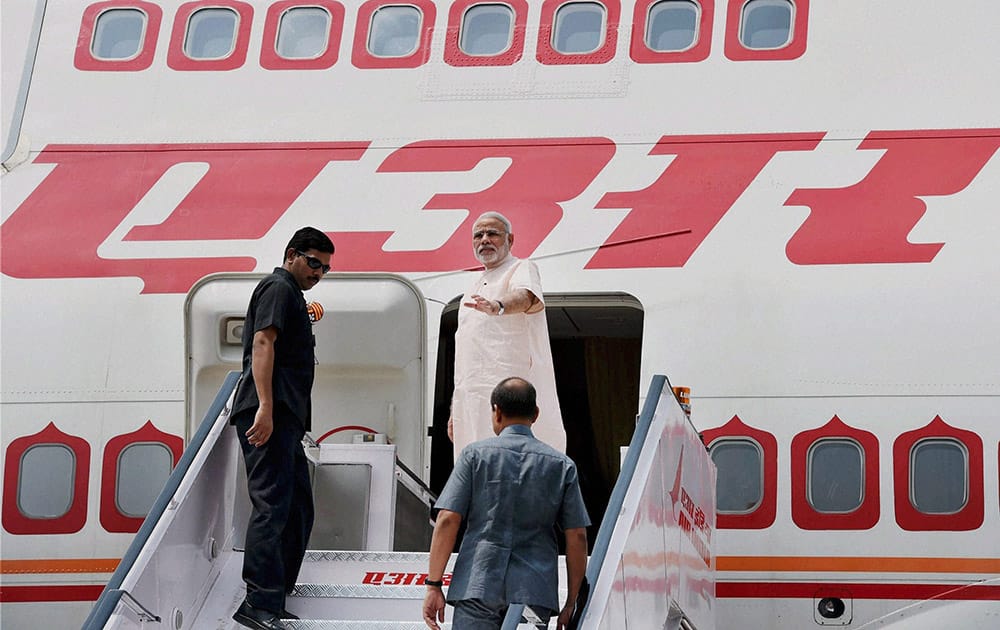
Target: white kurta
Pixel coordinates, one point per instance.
(490, 348)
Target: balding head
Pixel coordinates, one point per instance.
(514, 402)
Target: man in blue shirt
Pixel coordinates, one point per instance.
(512, 490)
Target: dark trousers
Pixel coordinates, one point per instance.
(475, 614)
(282, 515)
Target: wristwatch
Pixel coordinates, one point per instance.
(437, 583)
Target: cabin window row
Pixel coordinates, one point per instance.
(835, 474)
(50, 473)
(121, 35)
(937, 477)
(47, 474)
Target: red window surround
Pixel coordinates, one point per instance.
(85, 60)
(699, 52)
(793, 50)
(177, 60)
(807, 517)
(763, 516)
(549, 56)
(269, 57)
(112, 518)
(453, 54)
(361, 58)
(76, 517)
(908, 517)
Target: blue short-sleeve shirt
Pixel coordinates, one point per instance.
(511, 490)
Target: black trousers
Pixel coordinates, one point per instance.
(281, 518)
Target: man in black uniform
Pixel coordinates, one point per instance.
(271, 412)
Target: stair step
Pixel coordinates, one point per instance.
(357, 602)
(321, 624)
(365, 567)
(359, 585)
(338, 590)
(358, 591)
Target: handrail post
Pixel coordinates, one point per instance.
(513, 617)
(516, 613)
(144, 613)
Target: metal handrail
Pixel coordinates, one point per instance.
(513, 617)
(415, 484)
(144, 613)
(520, 613)
(112, 593)
(617, 499)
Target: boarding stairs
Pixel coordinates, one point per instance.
(328, 594)
(337, 590)
(183, 569)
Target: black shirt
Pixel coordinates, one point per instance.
(278, 301)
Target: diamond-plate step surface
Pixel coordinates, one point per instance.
(319, 624)
(365, 567)
(357, 602)
(354, 586)
(359, 591)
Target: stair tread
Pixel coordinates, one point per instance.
(367, 591)
(339, 590)
(327, 624)
(319, 555)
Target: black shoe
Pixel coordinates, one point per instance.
(287, 615)
(258, 618)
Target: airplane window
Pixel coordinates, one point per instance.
(118, 34)
(939, 476)
(395, 31)
(303, 33)
(487, 29)
(766, 24)
(672, 25)
(579, 28)
(835, 476)
(739, 486)
(143, 468)
(45, 482)
(211, 34)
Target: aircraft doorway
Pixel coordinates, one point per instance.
(596, 350)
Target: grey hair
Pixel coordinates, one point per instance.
(499, 217)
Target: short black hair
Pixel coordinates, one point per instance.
(515, 397)
(308, 238)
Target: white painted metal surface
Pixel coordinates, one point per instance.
(899, 108)
(380, 459)
(370, 353)
(660, 565)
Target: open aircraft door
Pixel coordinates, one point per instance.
(369, 388)
(369, 354)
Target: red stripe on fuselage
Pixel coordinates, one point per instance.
(50, 593)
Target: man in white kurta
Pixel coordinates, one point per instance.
(502, 332)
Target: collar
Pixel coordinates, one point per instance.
(507, 262)
(518, 429)
(287, 276)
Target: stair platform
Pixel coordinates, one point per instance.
(336, 589)
(360, 590)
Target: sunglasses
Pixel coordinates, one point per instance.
(313, 262)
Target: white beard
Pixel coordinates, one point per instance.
(492, 257)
